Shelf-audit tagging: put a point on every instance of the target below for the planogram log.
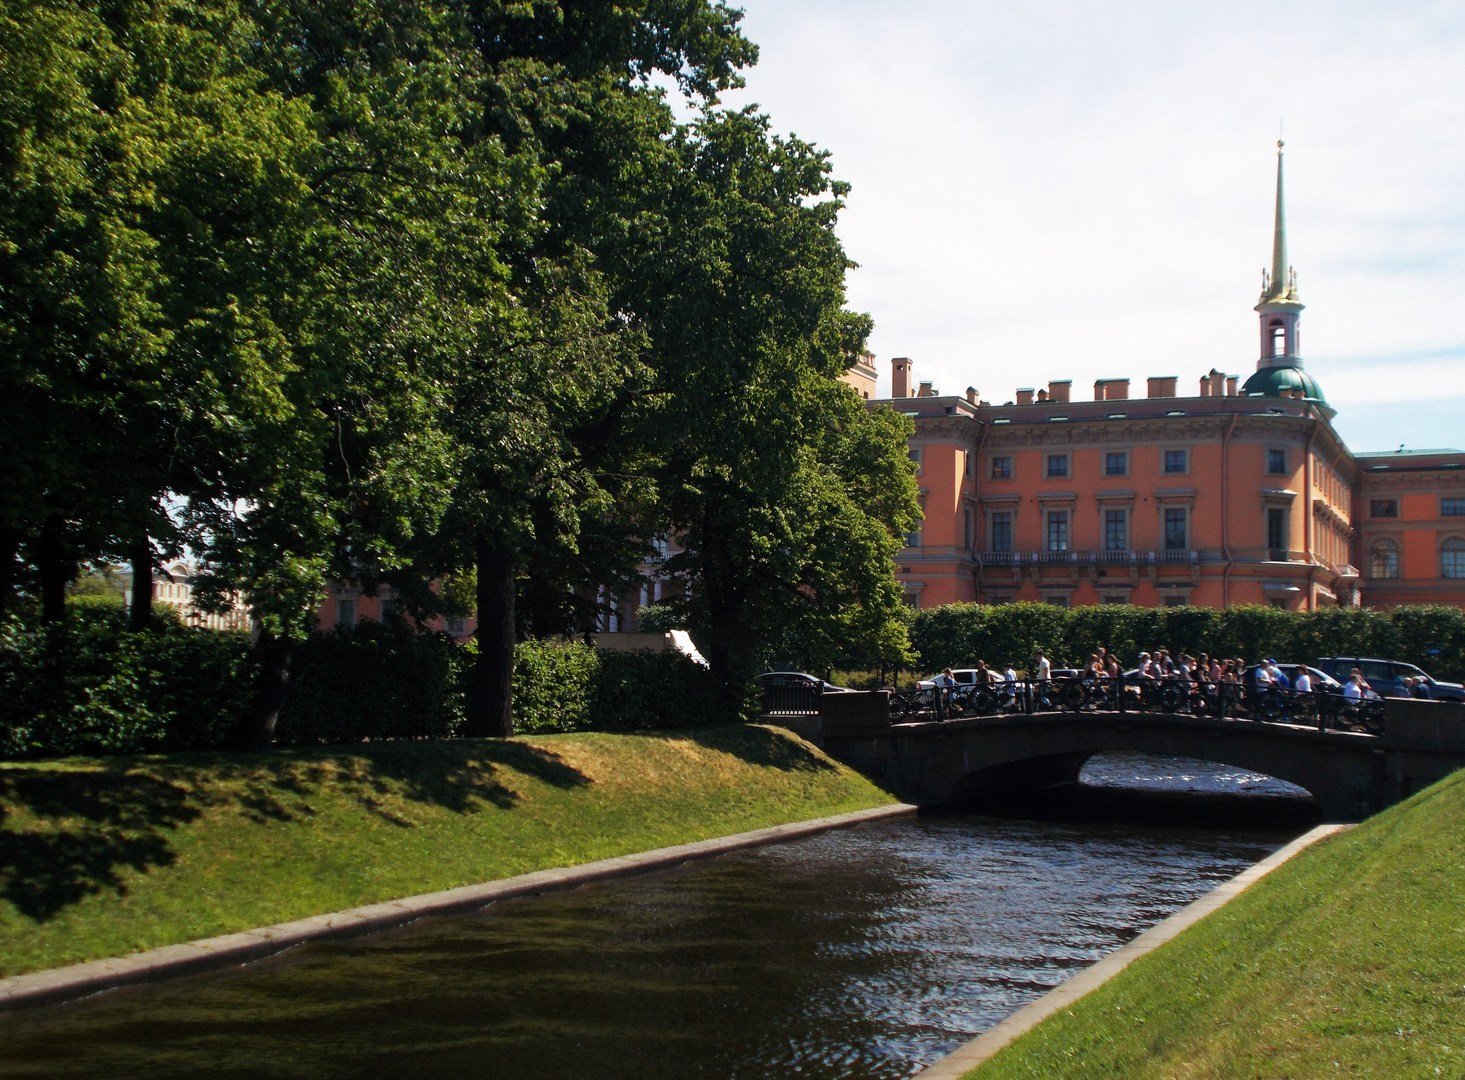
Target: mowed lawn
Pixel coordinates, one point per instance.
(1347, 961)
(101, 857)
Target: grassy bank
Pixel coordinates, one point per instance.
(1348, 961)
(100, 857)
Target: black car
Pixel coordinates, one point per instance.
(1386, 677)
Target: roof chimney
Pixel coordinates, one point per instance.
(1205, 386)
(972, 396)
(927, 390)
(1111, 390)
(1162, 385)
(1059, 389)
(1025, 395)
(900, 377)
(1231, 381)
(1218, 383)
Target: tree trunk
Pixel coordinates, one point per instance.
(55, 569)
(9, 551)
(490, 699)
(140, 613)
(270, 693)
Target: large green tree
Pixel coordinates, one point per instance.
(787, 494)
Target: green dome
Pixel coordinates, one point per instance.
(1276, 381)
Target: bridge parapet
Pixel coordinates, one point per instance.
(1436, 725)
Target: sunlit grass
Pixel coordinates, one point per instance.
(100, 857)
(1347, 961)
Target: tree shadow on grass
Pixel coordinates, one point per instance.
(757, 745)
(66, 834)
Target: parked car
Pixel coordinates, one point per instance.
(1386, 677)
(964, 676)
(1321, 680)
(803, 679)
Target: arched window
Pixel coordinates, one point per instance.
(1385, 559)
(1279, 338)
(1452, 558)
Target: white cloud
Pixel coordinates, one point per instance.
(1075, 190)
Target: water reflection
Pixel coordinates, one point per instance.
(860, 953)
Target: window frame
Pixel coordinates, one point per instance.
(1057, 459)
(1165, 537)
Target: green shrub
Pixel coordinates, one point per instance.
(573, 687)
(374, 681)
(553, 682)
(88, 685)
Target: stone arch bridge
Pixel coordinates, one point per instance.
(933, 762)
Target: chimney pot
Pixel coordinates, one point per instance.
(1231, 381)
(1025, 395)
(927, 390)
(971, 395)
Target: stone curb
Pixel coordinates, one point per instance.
(968, 1056)
(80, 980)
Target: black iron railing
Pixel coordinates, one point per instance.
(1325, 710)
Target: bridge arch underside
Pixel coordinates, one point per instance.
(965, 760)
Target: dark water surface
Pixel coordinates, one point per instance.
(865, 952)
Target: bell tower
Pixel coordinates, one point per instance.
(1279, 306)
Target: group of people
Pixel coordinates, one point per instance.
(1159, 664)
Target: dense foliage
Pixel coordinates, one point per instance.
(397, 292)
(957, 635)
(90, 685)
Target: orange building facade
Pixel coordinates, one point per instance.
(1231, 494)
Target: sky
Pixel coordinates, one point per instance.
(1080, 190)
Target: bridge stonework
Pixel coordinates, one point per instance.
(1352, 775)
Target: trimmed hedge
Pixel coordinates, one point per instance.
(957, 635)
(89, 685)
(374, 681)
(573, 687)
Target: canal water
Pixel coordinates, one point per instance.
(863, 952)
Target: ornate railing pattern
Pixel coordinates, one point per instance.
(1324, 710)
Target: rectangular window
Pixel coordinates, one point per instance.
(1057, 530)
(1173, 600)
(1176, 461)
(1057, 465)
(1113, 598)
(1002, 468)
(1056, 601)
(1452, 508)
(345, 612)
(966, 528)
(1277, 532)
(457, 627)
(1176, 532)
(1383, 508)
(915, 453)
(968, 468)
(1116, 530)
(1116, 463)
(1001, 531)
(1277, 462)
